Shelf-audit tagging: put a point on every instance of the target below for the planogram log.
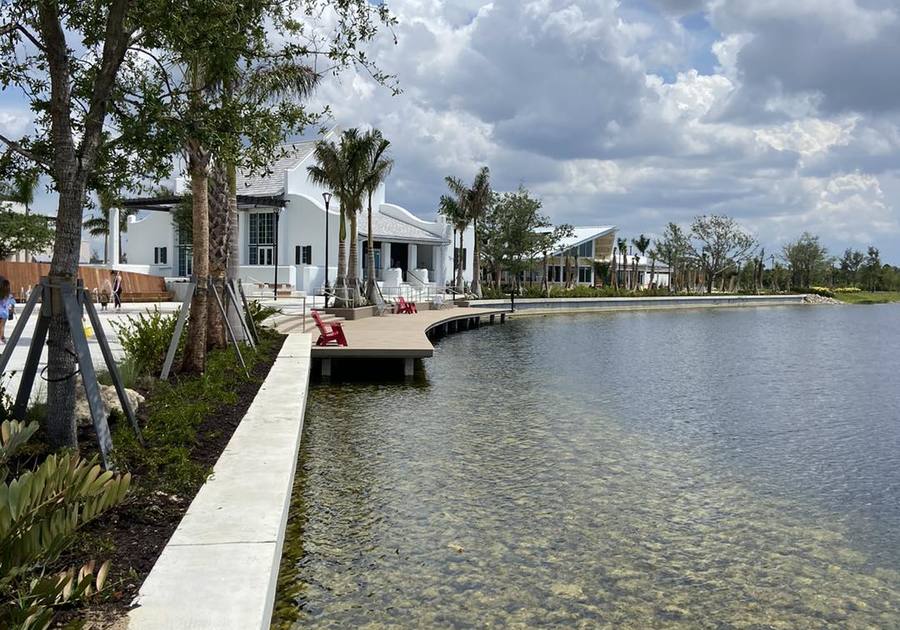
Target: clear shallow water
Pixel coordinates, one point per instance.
(717, 469)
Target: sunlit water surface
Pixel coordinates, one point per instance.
(731, 468)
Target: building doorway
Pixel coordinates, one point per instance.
(400, 257)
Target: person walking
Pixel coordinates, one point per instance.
(7, 307)
(117, 289)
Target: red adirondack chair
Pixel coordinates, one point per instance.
(406, 307)
(329, 332)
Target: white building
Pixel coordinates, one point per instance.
(283, 224)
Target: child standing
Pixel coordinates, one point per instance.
(105, 292)
(7, 307)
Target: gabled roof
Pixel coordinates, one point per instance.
(273, 184)
(385, 228)
(583, 235)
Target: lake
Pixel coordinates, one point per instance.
(722, 468)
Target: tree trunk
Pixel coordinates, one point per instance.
(235, 311)
(106, 248)
(371, 280)
(195, 348)
(460, 260)
(476, 261)
(61, 370)
(340, 283)
(353, 261)
(218, 252)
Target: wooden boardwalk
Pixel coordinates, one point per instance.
(403, 337)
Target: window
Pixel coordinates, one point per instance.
(586, 250)
(584, 274)
(456, 258)
(303, 255)
(262, 237)
(156, 255)
(160, 256)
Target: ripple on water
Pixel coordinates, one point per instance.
(534, 480)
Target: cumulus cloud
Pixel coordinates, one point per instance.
(785, 115)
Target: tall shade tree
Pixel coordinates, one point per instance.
(807, 259)
(719, 245)
(23, 232)
(65, 57)
(673, 248)
(379, 166)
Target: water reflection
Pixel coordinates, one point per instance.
(703, 469)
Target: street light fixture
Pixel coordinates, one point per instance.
(277, 216)
(327, 197)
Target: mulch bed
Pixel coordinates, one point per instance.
(133, 535)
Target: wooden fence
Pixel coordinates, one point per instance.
(135, 286)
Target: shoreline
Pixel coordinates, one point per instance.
(547, 306)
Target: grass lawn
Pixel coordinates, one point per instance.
(869, 297)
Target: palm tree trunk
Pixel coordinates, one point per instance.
(233, 267)
(476, 261)
(106, 248)
(371, 286)
(353, 262)
(340, 283)
(195, 348)
(545, 287)
(218, 252)
(460, 259)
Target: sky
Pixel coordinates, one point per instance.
(784, 115)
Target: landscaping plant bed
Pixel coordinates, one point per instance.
(352, 313)
(165, 479)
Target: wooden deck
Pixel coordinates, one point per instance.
(401, 336)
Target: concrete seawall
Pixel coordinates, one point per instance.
(543, 306)
(220, 568)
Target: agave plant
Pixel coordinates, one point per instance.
(40, 510)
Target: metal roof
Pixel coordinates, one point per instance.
(385, 228)
(273, 184)
(583, 235)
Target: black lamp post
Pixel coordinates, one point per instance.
(275, 260)
(327, 197)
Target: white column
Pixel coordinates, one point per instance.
(385, 255)
(113, 237)
(413, 257)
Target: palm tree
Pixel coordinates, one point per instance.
(343, 169)
(622, 244)
(21, 190)
(460, 223)
(477, 198)
(642, 243)
(379, 166)
(98, 225)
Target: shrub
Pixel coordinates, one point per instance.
(145, 340)
(823, 291)
(40, 511)
(259, 312)
(847, 290)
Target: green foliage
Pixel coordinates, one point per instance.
(19, 231)
(145, 340)
(823, 291)
(847, 290)
(176, 410)
(807, 259)
(578, 291)
(868, 297)
(260, 312)
(40, 511)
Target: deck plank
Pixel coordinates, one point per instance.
(396, 336)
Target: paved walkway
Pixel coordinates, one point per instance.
(397, 336)
(12, 376)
